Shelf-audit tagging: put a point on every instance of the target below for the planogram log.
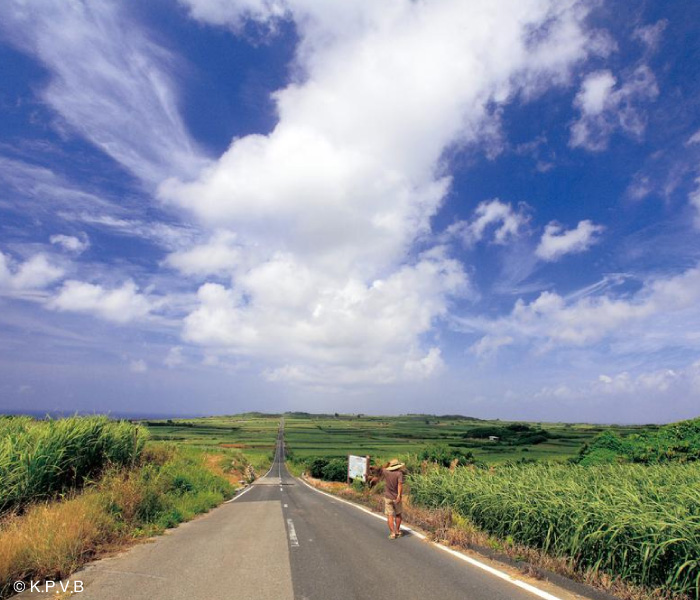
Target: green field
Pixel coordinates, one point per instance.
(250, 434)
(381, 437)
(385, 437)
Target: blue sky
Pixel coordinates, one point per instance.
(211, 206)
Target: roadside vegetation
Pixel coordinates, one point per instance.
(677, 442)
(622, 513)
(39, 459)
(78, 488)
(639, 523)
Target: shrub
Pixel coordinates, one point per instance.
(445, 456)
(336, 470)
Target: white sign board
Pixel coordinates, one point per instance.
(358, 466)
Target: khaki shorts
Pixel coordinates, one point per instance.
(392, 507)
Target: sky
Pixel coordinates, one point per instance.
(489, 208)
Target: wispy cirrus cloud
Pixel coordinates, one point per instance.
(108, 81)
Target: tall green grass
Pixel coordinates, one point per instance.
(39, 459)
(641, 523)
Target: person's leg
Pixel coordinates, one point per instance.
(397, 524)
(390, 514)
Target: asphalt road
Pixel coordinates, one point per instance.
(281, 540)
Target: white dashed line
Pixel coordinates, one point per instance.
(293, 540)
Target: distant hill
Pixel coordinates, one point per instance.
(676, 442)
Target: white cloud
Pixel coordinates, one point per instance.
(326, 208)
(489, 345)
(646, 395)
(33, 274)
(119, 305)
(695, 202)
(556, 242)
(108, 80)
(41, 189)
(138, 366)
(605, 108)
(550, 320)
(650, 35)
(316, 324)
(71, 243)
(595, 92)
(174, 357)
(220, 254)
(491, 215)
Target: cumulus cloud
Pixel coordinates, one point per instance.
(605, 108)
(221, 254)
(36, 273)
(351, 175)
(500, 218)
(556, 242)
(326, 209)
(71, 243)
(119, 305)
(317, 324)
(551, 320)
(108, 81)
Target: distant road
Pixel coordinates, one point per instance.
(281, 540)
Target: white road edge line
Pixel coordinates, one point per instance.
(237, 496)
(293, 540)
(468, 559)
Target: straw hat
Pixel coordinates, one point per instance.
(394, 464)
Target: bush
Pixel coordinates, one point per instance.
(677, 442)
(445, 456)
(336, 470)
(316, 466)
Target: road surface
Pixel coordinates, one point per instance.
(281, 540)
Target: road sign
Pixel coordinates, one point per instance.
(358, 467)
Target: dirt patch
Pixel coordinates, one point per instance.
(213, 462)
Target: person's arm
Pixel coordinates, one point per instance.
(400, 490)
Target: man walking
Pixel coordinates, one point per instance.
(393, 492)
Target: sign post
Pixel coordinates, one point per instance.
(358, 467)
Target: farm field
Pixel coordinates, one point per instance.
(253, 435)
(385, 437)
(309, 435)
